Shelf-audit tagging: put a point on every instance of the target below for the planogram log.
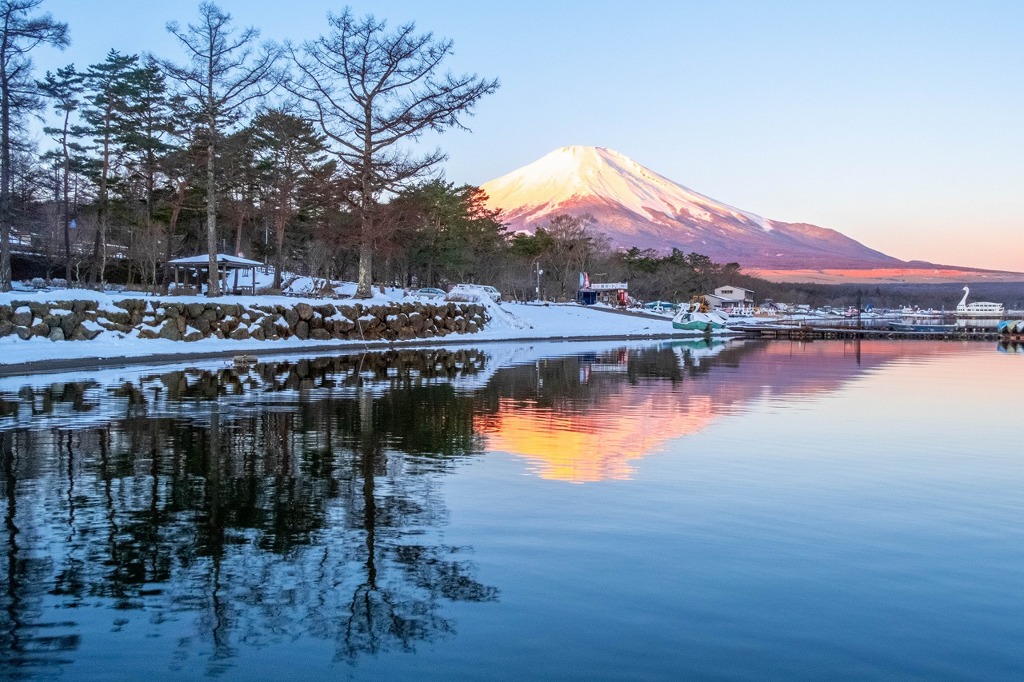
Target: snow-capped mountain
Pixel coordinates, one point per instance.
(634, 206)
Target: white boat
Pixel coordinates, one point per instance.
(697, 321)
(985, 309)
(978, 315)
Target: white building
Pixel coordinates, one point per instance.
(730, 297)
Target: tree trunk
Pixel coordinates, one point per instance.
(238, 229)
(172, 224)
(211, 221)
(279, 225)
(364, 288)
(5, 174)
(103, 209)
(66, 190)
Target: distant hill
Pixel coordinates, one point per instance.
(634, 206)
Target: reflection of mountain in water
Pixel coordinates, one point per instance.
(582, 418)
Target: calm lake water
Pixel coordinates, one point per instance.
(754, 510)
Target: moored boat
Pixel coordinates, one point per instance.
(697, 321)
(921, 327)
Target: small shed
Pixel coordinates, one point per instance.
(194, 270)
(613, 293)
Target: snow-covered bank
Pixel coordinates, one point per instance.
(508, 321)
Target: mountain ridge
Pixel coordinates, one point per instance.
(635, 206)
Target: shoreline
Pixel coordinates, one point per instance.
(55, 365)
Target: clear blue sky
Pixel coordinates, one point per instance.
(898, 123)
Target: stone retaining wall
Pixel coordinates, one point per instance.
(153, 319)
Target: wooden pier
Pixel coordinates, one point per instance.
(812, 332)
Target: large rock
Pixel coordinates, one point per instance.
(320, 334)
(56, 334)
(123, 328)
(88, 333)
(22, 316)
(304, 311)
(6, 328)
(170, 331)
(240, 334)
(118, 316)
(302, 329)
(69, 323)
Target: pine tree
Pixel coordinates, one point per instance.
(289, 149)
(111, 91)
(64, 89)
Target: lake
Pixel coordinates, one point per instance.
(683, 510)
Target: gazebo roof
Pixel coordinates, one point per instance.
(223, 259)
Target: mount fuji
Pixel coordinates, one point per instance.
(634, 206)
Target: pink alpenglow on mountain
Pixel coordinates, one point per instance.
(634, 206)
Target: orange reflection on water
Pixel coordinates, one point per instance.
(595, 444)
(600, 437)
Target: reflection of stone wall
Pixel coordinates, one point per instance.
(153, 319)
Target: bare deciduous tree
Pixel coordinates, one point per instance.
(225, 71)
(371, 90)
(19, 35)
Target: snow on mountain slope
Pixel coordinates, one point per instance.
(634, 206)
(579, 172)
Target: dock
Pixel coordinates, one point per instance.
(808, 332)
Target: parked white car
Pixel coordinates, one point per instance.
(463, 292)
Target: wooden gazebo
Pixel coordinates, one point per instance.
(194, 270)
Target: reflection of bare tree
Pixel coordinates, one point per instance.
(381, 614)
(268, 504)
(27, 641)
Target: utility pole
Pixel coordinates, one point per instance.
(536, 268)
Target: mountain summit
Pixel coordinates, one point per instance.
(634, 206)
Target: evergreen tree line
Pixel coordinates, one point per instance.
(295, 155)
(290, 153)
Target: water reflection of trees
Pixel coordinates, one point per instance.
(265, 503)
(308, 507)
